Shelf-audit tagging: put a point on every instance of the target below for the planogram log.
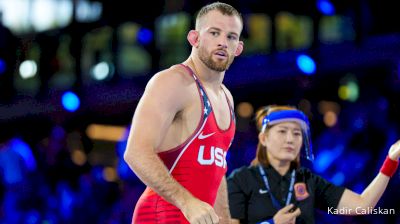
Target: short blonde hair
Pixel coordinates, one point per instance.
(224, 8)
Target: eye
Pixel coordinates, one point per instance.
(214, 33)
(282, 131)
(297, 133)
(232, 37)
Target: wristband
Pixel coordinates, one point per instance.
(269, 221)
(389, 167)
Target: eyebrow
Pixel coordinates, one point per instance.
(218, 29)
(286, 127)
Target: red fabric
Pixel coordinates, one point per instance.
(389, 167)
(199, 164)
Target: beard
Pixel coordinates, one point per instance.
(214, 65)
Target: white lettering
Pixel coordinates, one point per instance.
(201, 159)
(217, 157)
(341, 211)
(361, 211)
(374, 211)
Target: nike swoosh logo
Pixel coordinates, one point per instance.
(201, 136)
(261, 191)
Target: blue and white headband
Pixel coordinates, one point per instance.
(292, 116)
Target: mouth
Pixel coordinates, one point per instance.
(221, 53)
(289, 149)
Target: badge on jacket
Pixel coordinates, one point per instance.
(300, 191)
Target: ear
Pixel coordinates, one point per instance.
(239, 49)
(261, 138)
(193, 38)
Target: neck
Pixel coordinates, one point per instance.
(211, 78)
(281, 166)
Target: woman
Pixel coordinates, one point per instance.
(275, 189)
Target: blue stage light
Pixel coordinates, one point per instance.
(326, 7)
(144, 36)
(70, 101)
(326, 157)
(338, 178)
(3, 66)
(306, 64)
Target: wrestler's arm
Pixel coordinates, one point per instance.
(221, 205)
(353, 202)
(165, 95)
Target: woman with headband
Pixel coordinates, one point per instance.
(276, 189)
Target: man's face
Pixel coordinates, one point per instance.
(218, 40)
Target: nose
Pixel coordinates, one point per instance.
(222, 42)
(289, 137)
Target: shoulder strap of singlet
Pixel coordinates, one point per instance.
(206, 102)
(229, 104)
(191, 73)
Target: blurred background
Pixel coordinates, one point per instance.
(72, 72)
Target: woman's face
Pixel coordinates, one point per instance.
(283, 141)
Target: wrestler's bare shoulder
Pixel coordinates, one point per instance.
(175, 76)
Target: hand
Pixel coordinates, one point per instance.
(284, 216)
(394, 151)
(199, 212)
